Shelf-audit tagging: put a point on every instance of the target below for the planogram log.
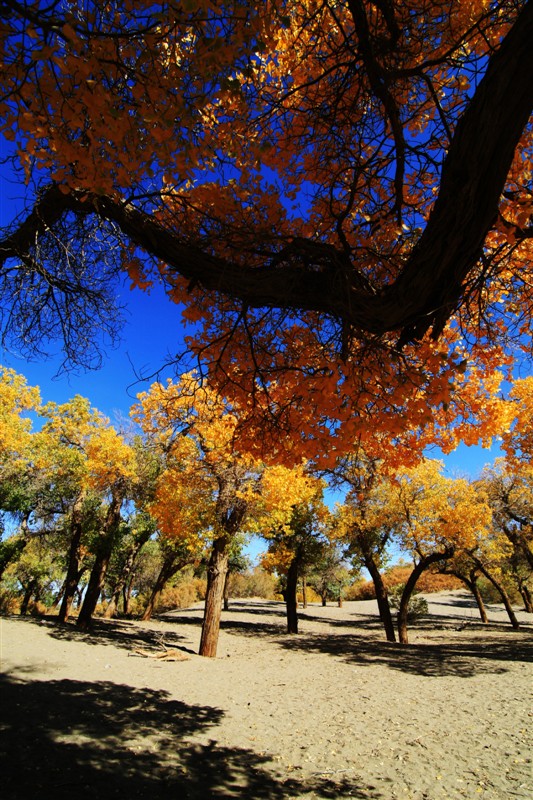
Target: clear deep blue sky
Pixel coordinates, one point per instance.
(152, 330)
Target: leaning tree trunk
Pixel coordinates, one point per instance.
(422, 565)
(73, 568)
(500, 589)
(125, 575)
(170, 566)
(103, 556)
(216, 578)
(471, 584)
(526, 597)
(381, 597)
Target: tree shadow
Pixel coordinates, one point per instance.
(68, 738)
(462, 658)
(127, 635)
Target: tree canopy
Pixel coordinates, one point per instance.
(343, 211)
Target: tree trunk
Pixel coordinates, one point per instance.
(170, 566)
(291, 600)
(474, 588)
(324, 599)
(526, 597)
(381, 597)
(73, 568)
(422, 565)
(126, 595)
(123, 579)
(500, 589)
(226, 592)
(216, 577)
(103, 556)
(304, 591)
(27, 597)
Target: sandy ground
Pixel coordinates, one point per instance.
(334, 712)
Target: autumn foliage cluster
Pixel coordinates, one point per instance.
(341, 213)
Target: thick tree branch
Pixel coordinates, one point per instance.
(311, 276)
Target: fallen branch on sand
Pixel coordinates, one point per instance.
(168, 655)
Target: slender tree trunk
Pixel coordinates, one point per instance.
(500, 589)
(170, 566)
(73, 567)
(103, 556)
(381, 597)
(291, 597)
(304, 591)
(111, 608)
(226, 592)
(126, 595)
(471, 582)
(127, 570)
(526, 597)
(324, 599)
(422, 565)
(216, 577)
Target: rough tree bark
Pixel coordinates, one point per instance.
(216, 577)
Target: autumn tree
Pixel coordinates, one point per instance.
(18, 478)
(204, 493)
(137, 531)
(296, 543)
(438, 517)
(329, 575)
(343, 211)
(366, 521)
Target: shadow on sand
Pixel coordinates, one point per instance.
(462, 658)
(66, 738)
(118, 633)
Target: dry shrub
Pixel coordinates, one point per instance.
(38, 609)
(200, 586)
(312, 596)
(254, 583)
(185, 594)
(429, 582)
(362, 590)
(9, 602)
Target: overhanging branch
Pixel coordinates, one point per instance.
(302, 276)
